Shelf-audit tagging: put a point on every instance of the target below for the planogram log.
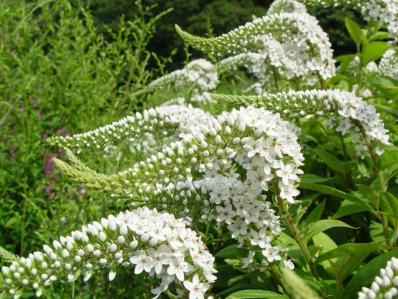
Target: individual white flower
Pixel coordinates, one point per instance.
(287, 173)
(289, 264)
(178, 267)
(195, 287)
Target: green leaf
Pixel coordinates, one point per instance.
(354, 30)
(323, 225)
(332, 162)
(348, 208)
(351, 263)
(366, 274)
(249, 294)
(349, 249)
(373, 51)
(315, 214)
(7, 256)
(379, 35)
(387, 109)
(296, 287)
(344, 64)
(336, 193)
(325, 243)
(232, 251)
(389, 205)
(323, 189)
(385, 84)
(315, 179)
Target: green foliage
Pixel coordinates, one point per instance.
(58, 75)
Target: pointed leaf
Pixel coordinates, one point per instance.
(348, 208)
(232, 251)
(323, 225)
(374, 51)
(332, 162)
(315, 214)
(325, 243)
(354, 30)
(349, 249)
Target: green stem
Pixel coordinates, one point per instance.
(298, 236)
(384, 221)
(276, 272)
(382, 181)
(276, 81)
(138, 92)
(321, 81)
(171, 295)
(395, 237)
(370, 147)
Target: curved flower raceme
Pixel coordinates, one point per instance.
(347, 113)
(385, 286)
(160, 123)
(298, 34)
(221, 170)
(151, 242)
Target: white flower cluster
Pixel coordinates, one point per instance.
(297, 33)
(385, 286)
(388, 65)
(242, 207)
(223, 169)
(279, 6)
(255, 63)
(200, 74)
(344, 110)
(274, 59)
(384, 11)
(154, 243)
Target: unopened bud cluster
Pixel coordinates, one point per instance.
(157, 123)
(385, 285)
(150, 242)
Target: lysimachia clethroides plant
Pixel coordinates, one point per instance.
(239, 169)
